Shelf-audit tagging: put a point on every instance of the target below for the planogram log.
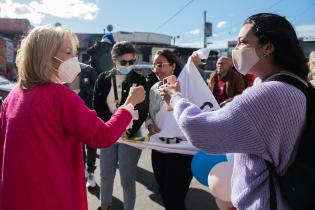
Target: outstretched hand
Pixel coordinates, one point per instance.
(136, 95)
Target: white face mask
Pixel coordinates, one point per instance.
(244, 59)
(69, 69)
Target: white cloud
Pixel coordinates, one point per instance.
(18, 10)
(193, 32)
(305, 30)
(220, 43)
(190, 44)
(222, 24)
(35, 11)
(215, 44)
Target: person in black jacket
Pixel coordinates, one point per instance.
(111, 90)
(83, 85)
(87, 81)
(100, 54)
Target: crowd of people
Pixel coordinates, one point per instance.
(79, 109)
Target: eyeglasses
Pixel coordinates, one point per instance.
(124, 62)
(220, 64)
(159, 65)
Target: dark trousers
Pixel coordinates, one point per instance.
(89, 158)
(173, 175)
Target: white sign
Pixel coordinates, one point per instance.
(193, 87)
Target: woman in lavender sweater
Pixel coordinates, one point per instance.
(264, 122)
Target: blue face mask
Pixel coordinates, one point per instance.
(124, 69)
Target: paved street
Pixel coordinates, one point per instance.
(198, 197)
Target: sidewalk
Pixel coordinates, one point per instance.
(197, 198)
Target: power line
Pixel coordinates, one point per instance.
(168, 20)
(224, 31)
(307, 9)
(272, 5)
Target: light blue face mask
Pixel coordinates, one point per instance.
(124, 69)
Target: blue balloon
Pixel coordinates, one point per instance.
(202, 163)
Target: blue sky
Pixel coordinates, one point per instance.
(92, 16)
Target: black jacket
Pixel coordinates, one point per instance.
(88, 78)
(100, 56)
(102, 88)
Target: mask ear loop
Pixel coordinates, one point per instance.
(56, 70)
(58, 59)
(265, 55)
(116, 63)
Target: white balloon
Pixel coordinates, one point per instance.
(219, 181)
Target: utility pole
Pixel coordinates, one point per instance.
(207, 32)
(204, 29)
(175, 37)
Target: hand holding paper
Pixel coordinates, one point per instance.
(153, 129)
(195, 58)
(168, 81)
(167, 91)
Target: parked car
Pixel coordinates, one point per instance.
(143, 69)
(3, 80)
(5, 87)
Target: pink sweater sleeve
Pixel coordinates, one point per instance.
(83, 124)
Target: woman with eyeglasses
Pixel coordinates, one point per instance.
(171, 170)
(111, 90)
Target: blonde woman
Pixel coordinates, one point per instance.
(43, 125)
(311, 64)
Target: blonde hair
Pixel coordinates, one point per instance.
(34, 58)
(311, 61)
(311, 65)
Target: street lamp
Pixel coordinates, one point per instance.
(58, 24)
(109, 28)
(174, 38)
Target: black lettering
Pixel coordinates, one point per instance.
(206, 104)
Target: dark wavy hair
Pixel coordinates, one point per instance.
(277, 30)
(121, 48)
(172, 58)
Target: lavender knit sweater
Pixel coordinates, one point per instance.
(263, 123)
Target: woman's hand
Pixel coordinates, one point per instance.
(167, 91)
(153, 129)
(195, 59)
(136, 95)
